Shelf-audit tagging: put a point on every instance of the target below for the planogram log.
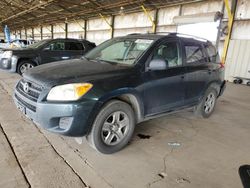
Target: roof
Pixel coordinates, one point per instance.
(157, 36)
(144, 36)
(18, 14)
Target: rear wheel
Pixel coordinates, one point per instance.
(206, 107)
(112, 128)
(25, 65)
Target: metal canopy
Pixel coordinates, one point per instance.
(19, 14)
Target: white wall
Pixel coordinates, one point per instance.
(47, 32)
(1, 35)
(201, 7)
(37, 33)
(241, 29)
(29, 33)
(132, 23)
(238, 56)
(59, 30)
(165, 19)
(98, 30)
(76, 29)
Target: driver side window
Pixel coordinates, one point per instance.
(170, 53)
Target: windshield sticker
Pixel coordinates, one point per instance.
(144, 41)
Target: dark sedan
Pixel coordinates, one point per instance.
(21, 59)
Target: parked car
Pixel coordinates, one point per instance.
(46, 51)
(21, 43)
(120, 83)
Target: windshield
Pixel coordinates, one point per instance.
(37, 44)
(122, 51)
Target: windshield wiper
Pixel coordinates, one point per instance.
(120, 59)
(102, 61)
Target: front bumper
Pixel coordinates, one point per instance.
(9, 64)
(69, 119)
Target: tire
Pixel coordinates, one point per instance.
(238, 81)
(24, 65)
(113, 127)
(248, 83)
(207, 105)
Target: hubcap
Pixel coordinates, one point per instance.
(115, 128)
(209, 103)
(25, 67)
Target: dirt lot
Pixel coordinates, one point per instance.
(178, 150)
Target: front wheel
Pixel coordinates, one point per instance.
(23, 66)
(206, 107)
(112, 128)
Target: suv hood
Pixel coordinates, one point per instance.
(70, 71)
(19, 50)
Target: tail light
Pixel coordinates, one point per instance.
(222, 65)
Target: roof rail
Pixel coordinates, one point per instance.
(189, 36)
(165, 32)
(134, 34)
(176, 34)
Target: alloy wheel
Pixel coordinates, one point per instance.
(209, 103)
(115, 128)
(26, 66)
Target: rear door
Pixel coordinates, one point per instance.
(74, 49)
(198, 73)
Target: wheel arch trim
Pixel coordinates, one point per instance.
(130, 96)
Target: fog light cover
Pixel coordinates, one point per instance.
(65, 122)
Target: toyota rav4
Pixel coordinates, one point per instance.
(123, 81)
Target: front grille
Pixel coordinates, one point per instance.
(27, 105)
(32, 92)
(27, 94)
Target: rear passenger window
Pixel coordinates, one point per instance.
(212, 54)
(73, 46)
(194, 53)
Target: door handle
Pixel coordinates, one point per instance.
(65, 57)
(182, 76)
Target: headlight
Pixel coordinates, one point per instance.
(7, 54)
(68, 92)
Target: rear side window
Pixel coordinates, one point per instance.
(194, 53)
(213, 56)
(73, 46)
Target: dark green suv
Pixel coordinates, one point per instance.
(122, 82)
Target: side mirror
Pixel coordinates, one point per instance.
(157, 64)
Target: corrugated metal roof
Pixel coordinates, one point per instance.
(26, 13)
